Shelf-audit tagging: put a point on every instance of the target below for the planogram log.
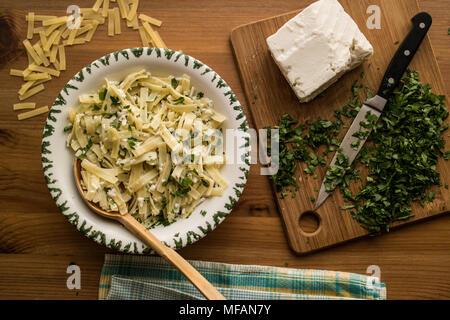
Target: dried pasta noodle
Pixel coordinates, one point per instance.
(54, 35)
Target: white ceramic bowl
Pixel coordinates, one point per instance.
(57, 159)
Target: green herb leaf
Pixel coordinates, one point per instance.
(174, 83)
(85, 149)
(114, 100)
(184, 186)
(102, 94)
(180, 100)
(132, 142)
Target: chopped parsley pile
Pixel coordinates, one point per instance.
(400, 155)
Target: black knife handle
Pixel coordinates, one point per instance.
(405, 53)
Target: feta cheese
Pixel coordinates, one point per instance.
(94, 186)
(316, 47)
(111, 193)
(121, 93)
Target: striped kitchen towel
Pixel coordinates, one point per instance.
(133, 277)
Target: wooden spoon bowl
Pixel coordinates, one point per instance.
(130, 223)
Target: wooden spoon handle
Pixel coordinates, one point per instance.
(172, 256)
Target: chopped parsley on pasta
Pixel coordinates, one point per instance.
(150, 146)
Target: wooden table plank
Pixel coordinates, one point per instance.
(37, 244)
(406, 259)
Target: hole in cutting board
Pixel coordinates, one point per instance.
(309, 222)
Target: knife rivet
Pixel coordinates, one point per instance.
(422, 25)
(407, 52)
(391, 80)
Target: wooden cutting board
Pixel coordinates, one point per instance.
(269, 97)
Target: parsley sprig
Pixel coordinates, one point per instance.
(85, 150)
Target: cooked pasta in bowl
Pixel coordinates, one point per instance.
(127, 135)
(160, 136)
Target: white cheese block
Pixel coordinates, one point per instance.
(316, 47)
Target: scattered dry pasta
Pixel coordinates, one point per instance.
(46, 56)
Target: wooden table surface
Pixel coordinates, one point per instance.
(37, 243)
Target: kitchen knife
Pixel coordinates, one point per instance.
(351, 145)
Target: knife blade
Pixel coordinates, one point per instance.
(351, 145)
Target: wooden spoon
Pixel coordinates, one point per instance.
(149, 239)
